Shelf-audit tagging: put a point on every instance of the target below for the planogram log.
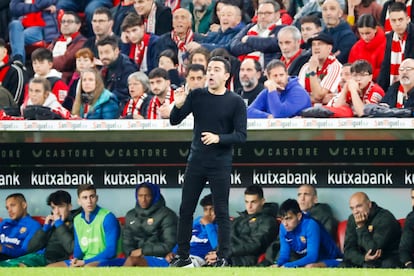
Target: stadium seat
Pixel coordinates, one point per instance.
(340, 234)
(402, 222)
(39, 219)
(121, 220)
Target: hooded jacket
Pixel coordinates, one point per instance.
(153, 229)
(106, 107)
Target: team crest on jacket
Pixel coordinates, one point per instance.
(23, 230)
(252, 220)
(370, 228)
(302, 239)
(150, 221)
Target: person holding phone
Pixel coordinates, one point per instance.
(283, 96)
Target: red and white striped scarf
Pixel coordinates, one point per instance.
(181, 48)
(397, 55)
(387, 24)
(138, 52)
(133, 107)
(255, 31)
(173, 4)
(400, 97)
(149, 22)
(155, 103)
(320, 73)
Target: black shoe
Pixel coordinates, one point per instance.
(179, 262)
(221, 263)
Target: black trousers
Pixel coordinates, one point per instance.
(194, 181)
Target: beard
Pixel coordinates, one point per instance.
(200, 8)
(247, 83)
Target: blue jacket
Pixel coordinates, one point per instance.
(219, 39)
(344, 38)
(107, 107)
(16, 235)
(284, 104)
(269, 46)
(19, 8)
(309, 240)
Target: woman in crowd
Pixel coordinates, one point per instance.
(92, 100)
(371, 45)
(84, 60)
(140, 92)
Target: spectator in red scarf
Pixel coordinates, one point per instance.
(321, 75)
(157, 18)
(140, 92)
(66, 45)
(178, 38)
(371, 45)
(385, 15)
(399, 45)
(163, 100)
(360, 89)
(138, 44)
(259, 41)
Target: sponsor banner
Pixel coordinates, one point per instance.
(274, 152)
(243, 175)
(252, 124)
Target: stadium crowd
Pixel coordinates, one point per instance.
(125, 59)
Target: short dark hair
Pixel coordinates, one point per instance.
(104, 10)
(85, 187)
(43, 81)
(77, 18)
(257, 65)
(2, 42)
(360, 66)
(367, 20)
(112, 40)
(289, 205)
(59, 197)
(170, 54)
(19, 196)
(275, 63)
(132, 20)
(226, 62)
(194, 68)
(254, 190)
(41, 54)
(207, 200)
(397, 7)
(201, 50)
(158, 73)
(311, 19)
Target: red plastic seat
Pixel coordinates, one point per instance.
(39, 219)
(340, 234)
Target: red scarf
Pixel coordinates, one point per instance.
(400, 97)
(137, 51)
(173, 4)
(397, 55)
(5, 69)
(155, 104)
(134, 107)
(181, 48)
(254, 31)
(320, 73)
(288, 63)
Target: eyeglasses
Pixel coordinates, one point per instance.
(405, 69)
(67, 21)
(264, 13)
(360, 75)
